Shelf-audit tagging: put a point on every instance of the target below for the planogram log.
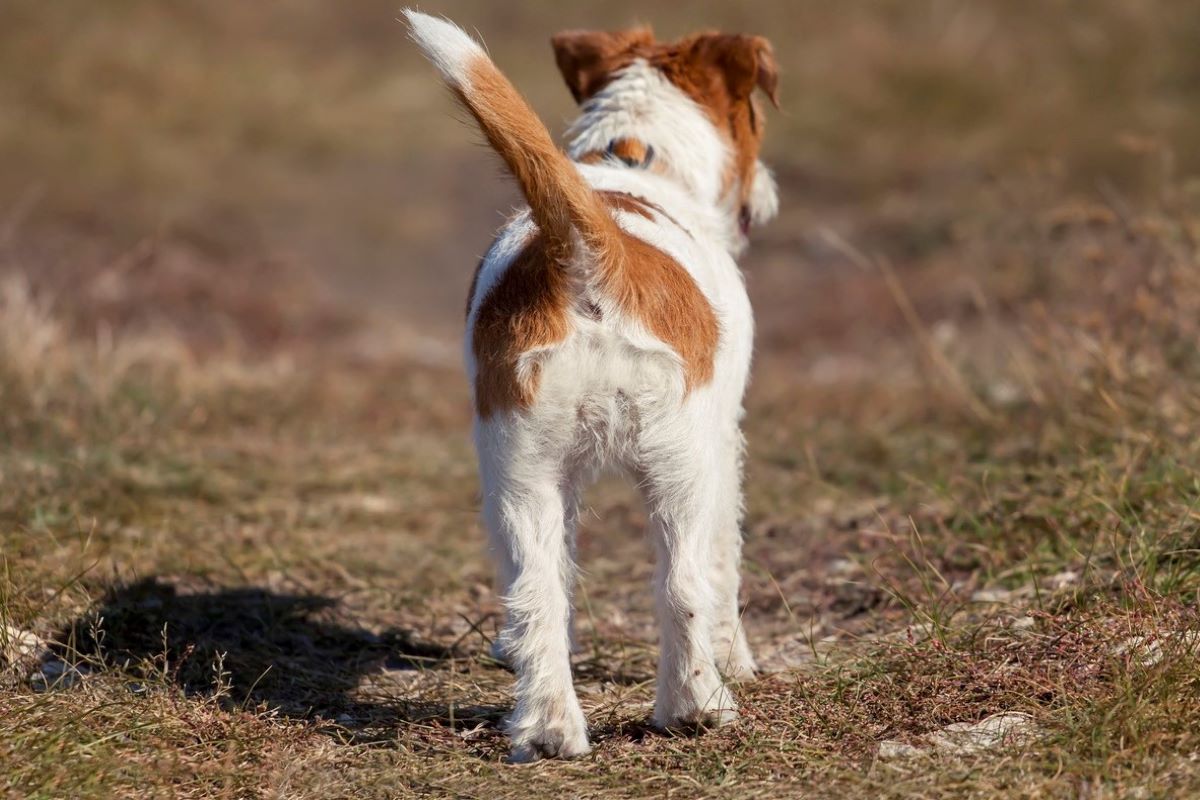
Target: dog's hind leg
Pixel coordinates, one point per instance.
(504, 578)
(525, 506)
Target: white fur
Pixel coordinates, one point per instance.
(640, 103)
(448, 46)
(764, 195)
(612, 395)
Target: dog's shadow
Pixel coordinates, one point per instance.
(255, 647)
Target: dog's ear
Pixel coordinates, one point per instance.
(746, 61)
(587, 58)
(767, 78)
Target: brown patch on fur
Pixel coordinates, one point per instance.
(526, 309)
(632, 204)
(718, 71)
(655, 290)
(587, 58)
(622, 201)
(484, 258)
(632, 152)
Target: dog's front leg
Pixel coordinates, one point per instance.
(734, 659)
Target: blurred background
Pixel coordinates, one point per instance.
(251, 167)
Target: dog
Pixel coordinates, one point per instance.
(608, 326)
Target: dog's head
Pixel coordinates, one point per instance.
(692, 101)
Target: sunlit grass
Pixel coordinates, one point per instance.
(239, 515)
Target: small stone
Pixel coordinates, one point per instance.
(892, 750)
(1063, 579)
(843, 566)
(824, 506)
(992, 596)
(1148, 650)
(376, 504)
(17, 645)
(1005, 393)
(474, 733)
(994, 731)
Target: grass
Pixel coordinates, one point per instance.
(295, 603)
(238, 505)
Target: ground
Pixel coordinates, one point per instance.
(240, 553)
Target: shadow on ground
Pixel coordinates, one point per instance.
(253, 646)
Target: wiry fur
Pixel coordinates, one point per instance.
(608, 326)
(640, 103)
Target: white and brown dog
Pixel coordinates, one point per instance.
(608, 325)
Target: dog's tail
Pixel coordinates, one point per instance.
(563, 204)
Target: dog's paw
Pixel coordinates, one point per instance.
(696, 706)
(556, 731)
(550, 743)
(738, 665)
(740, 671)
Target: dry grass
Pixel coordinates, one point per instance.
(262, 580)
(240, 510)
